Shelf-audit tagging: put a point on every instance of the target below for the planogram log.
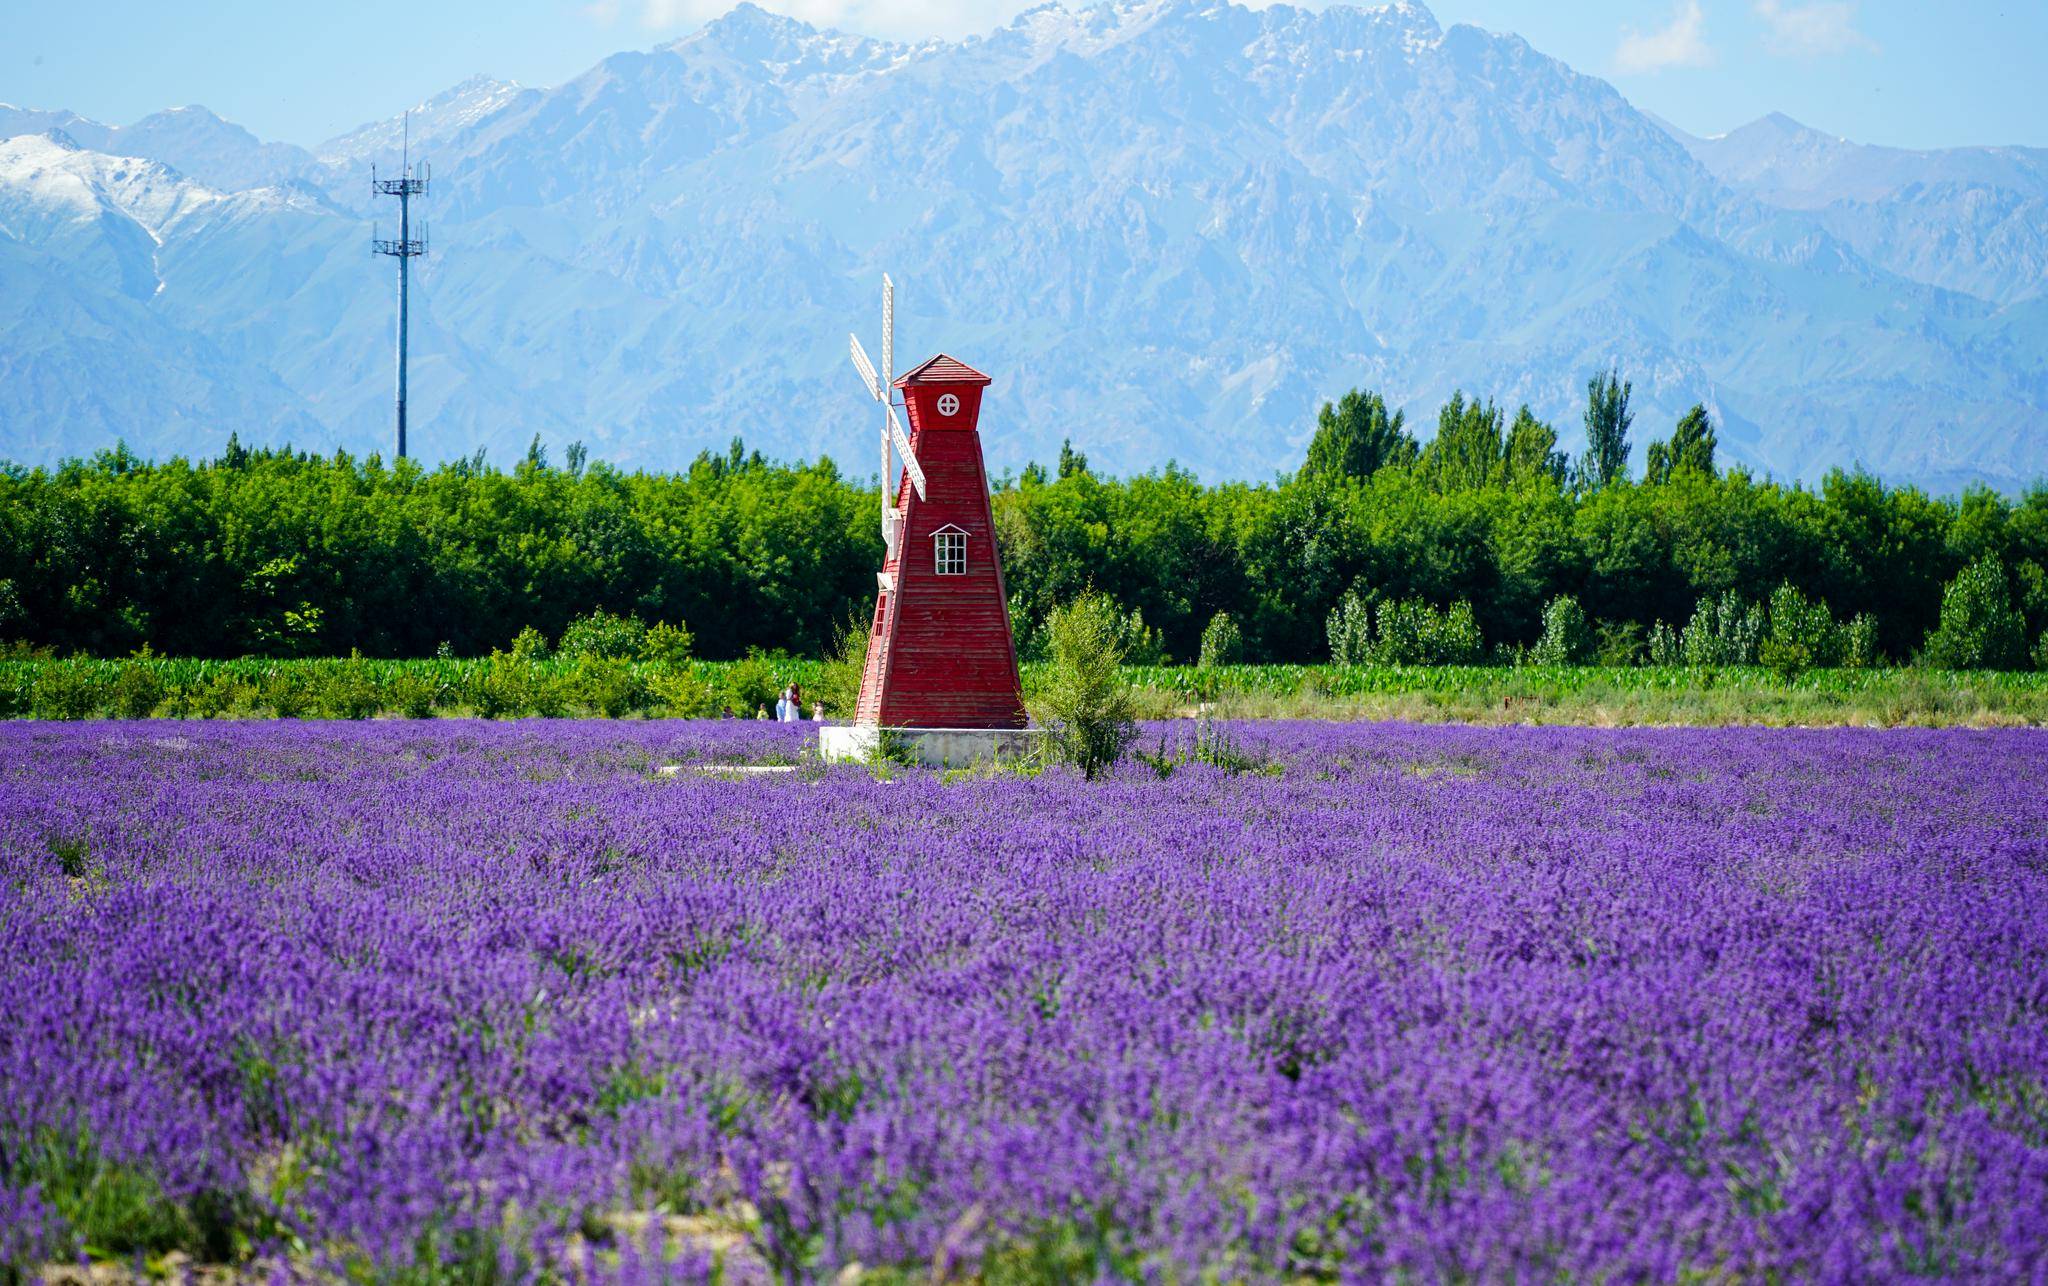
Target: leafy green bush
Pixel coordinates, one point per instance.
(411, 694)
(1411, 632)
(138, 690)
(605, 635)
(1723, 632)
(839, 683)
(503, 689)
(1090, 711)
(530, 645)
(17, 692)
(1859, 642)
(348, 690)
(2041, 651)
(1399, 631)
(65, 691)
(1222, 642)
(683, 693)
(608, 686)
(550, 693)
(751, 684)
(1665, 648)
(1801, 633)
(286, 691)
(1980, 629)
(667, 644)
(1457, 640)
(220, 695)
(1350, 631)
(1566, 637)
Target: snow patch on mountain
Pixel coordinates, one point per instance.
(51, 173)
(430, 122)
(191, 140)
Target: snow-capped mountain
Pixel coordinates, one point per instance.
(427, 125)
(1169, 228)
(90, 336)
(190, 140)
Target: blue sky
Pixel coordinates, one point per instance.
(1903, 72)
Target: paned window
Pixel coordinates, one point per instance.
(949, 552)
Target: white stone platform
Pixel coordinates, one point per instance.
(933, 747)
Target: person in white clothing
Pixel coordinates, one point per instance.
(789, 707)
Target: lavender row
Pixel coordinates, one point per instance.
(1436, 1001)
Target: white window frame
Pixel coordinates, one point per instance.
(949, 551)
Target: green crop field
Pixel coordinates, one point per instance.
(504, 686)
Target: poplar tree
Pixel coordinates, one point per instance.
(1531, 450)
(1467, 451)
(1691, 447)
(1356, 437)
(1607, 421)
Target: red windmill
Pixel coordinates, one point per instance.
(940, 655)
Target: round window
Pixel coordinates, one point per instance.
(948, 404)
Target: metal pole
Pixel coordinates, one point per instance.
(405, 187)
(404, 239)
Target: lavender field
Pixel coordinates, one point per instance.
(494, 1001)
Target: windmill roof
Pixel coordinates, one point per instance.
(941, 370)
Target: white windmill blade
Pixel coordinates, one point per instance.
(903, 449)
(888, 329)
(865, 367)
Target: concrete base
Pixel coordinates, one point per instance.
(933, 747)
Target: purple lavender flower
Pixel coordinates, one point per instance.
(1496, 1003)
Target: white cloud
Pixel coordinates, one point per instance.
(1813, 29)
(1680, 43)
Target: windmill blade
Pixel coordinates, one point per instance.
(892, 528)
(888, 329)
(903, 449)
(865, 367)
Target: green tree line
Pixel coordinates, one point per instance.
(286, 553)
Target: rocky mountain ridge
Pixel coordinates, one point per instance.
(1169, 227)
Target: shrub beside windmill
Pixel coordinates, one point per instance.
(941, 672)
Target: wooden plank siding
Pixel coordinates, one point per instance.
(940, 653)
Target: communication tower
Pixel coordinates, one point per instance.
(404, 248)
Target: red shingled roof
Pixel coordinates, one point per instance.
(941, 370)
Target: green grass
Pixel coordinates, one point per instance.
(359, 687)
(1591, 694)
